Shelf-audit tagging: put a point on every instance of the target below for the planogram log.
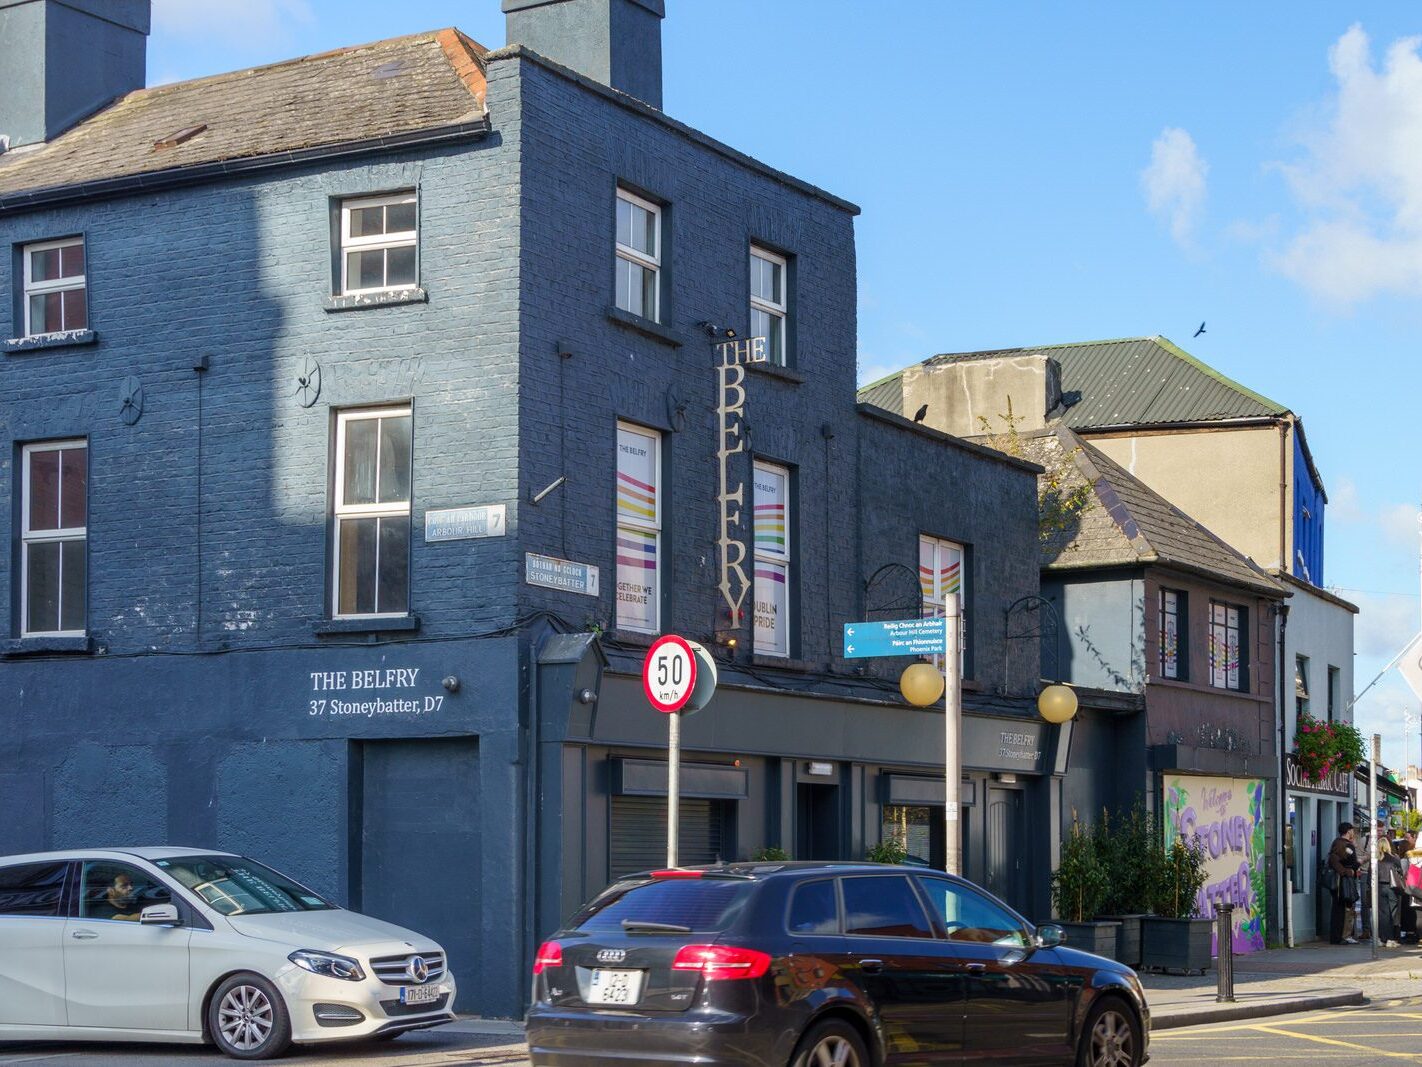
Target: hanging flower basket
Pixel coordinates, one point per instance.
(1325, 747)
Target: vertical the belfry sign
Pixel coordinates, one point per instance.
(730, 440)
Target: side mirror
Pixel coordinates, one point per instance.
(1049, 936)
(159, 915)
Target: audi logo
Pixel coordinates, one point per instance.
(611, 955)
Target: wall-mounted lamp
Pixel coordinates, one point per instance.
(727, 638)
(451, 682)
(712, 330)
(586, 696)
(537, 498)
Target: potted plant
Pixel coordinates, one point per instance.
(1173, 939)
(1128, 850)
(892, 849)
(1079, 886)
(1324, 747)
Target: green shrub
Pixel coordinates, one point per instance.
(1080, 883)
(1181, 876)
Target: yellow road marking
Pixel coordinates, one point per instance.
(1415, 1057)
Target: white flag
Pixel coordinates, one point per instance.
(1409, 665)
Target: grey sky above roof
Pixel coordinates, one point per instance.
(1133, 381)
(1127, 523)
(398, 86)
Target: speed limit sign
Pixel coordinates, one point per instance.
(669, 673)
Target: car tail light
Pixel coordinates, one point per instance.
(677, 872)
(717, 963)
(550, 954)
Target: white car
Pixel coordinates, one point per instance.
(187, 945)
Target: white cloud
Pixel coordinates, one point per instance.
(246, 21)
(1399, 524)
(1174, 183)
(1358, 183)
(1385, 623)
(1344, 503)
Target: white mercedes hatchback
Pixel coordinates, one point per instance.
(183, 945)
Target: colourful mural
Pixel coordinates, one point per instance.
(1226, 816)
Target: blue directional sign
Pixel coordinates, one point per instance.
(904, 637)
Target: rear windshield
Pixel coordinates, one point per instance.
(703, 905)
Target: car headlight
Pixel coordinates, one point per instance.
(328, 964)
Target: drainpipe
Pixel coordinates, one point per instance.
(1285, 903)
(1286, 563)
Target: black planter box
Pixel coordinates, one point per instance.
(1176, 944)
(1098, 938)
(1128, 939)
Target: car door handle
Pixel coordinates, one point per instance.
(975, 968)
(83, 935)
(871, 966)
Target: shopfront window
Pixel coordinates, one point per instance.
(914, 825)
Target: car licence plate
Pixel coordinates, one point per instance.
(420, 994)
(615, 987)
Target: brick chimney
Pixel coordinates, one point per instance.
(62, 60)
(616, 42)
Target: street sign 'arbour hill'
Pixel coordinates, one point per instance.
(904, 637)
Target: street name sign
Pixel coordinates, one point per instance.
(903, 637)
(458, 524)
(553, 573)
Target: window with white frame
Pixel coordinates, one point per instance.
(379, 243)
(940, 572)
(1227, 666)
(371, 572)
(773, 560)
(56, 295)
(639, 528)
(639, 256)
(769, 311)
(1172, 629)
(54, 513)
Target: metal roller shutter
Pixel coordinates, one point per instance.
(639, 833)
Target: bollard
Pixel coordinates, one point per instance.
(1224, 965)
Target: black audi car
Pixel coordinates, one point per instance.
(820, 964)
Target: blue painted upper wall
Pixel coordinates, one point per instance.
(1309, 504)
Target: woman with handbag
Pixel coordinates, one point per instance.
(1391, 886)
(1343, 865)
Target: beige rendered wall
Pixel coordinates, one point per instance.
(1227, 480)
(960, 396)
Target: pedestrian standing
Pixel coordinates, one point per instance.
(1343, 864)
(1407, 905)
(1391, 886)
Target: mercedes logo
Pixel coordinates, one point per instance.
(418, 969)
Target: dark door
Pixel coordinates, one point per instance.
(419, 846)
(900, 961)
(638, 834)
(1017, 1001)
(1007, 853)
(817, 835)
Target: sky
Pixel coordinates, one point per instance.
(1033, 173)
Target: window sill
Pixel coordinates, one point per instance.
(402, 624)
(655, 330)
(635, 638)
(361, 301)
(774, 370)
(67, 339)
(47, 646)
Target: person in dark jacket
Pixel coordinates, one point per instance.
(1390, 888)
(1343, 862)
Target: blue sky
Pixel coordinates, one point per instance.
(1044, 172)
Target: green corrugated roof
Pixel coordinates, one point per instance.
(1133, 381)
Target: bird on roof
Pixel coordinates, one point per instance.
(1200, 330)
(921, 413)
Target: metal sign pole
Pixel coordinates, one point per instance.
(673, 784)
(952, 724)
(1373, 839)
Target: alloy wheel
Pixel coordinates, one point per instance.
(245, 1017)
(832, 1051)
(1113, 1041)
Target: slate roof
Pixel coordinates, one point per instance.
(1134, 381)
(1127, 523)
(389, 88)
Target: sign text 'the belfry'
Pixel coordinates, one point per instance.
(730, 441)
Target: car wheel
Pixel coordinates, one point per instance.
(1111, 1037)
(831, 1044)
(248, 1019)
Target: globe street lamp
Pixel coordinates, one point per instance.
(1057, 703)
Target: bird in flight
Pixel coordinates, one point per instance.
(1200, 330)
(921, 413)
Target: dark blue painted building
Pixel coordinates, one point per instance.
(364, 420)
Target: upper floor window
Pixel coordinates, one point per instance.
(1301, 685)
(1334, 694)
(940, 572)
(54, 535)
(772, 560)
(379, 243)
(1228, 669)
(371, 560)
(769, 310)
(56, 294)
(1173, 627)
(639, 528)
(639, 256)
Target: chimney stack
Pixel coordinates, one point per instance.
(62, 60)
(616, 42)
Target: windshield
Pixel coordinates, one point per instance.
(233, 885)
